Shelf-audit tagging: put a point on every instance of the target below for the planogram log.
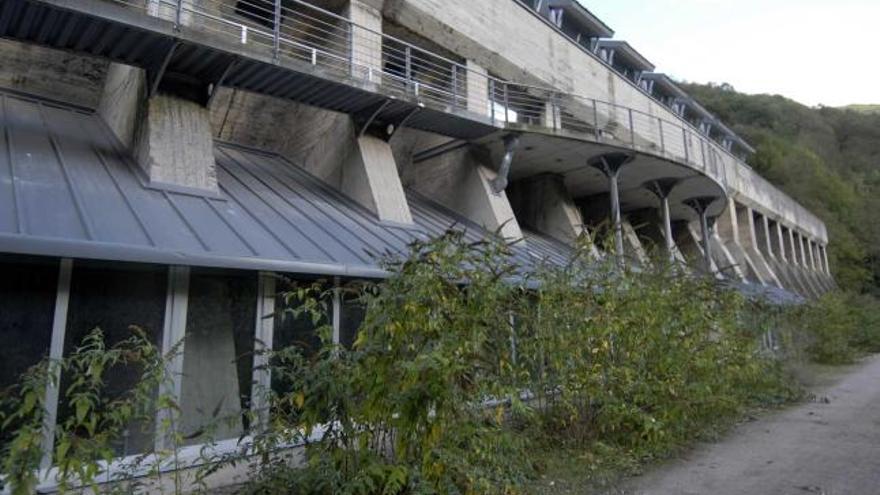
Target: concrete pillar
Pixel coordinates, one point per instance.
(825, 259)
(551, 116)
(209, 392)
(542, 202)
(802, 251)
(170, 137)
(369, 176)
(765, 236)
(728, 230)
(780, 243)
(461, 181)
(792, 249)
(814, 258)
(477, 89)
(366, 38)
(749, 242)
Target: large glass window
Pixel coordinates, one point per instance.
(218, 355)
(350, 319)
(28, 289)
(115, 297)
(292, 328)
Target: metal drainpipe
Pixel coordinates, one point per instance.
(499, 183)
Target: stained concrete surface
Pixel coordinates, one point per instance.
(830, 446)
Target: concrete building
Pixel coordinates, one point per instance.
(203, 146)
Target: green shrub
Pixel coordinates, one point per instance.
(840, 325)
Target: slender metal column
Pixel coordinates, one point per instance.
(707, 246)
(662, 188)
(701, 206)
(610, 165)
(667, 228)
(616, 219)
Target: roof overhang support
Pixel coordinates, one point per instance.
(213, 87)
(371, 116)
(439, 150)
(155, 76)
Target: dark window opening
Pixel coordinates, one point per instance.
(114, 298)
(28, 289)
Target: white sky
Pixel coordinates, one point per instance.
(813, 51)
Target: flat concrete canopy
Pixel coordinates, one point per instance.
(542, 152)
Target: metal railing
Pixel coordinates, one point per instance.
(296, 30)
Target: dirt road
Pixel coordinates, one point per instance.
(828, 446)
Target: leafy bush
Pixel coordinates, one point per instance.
(464, 365)
(840, 325)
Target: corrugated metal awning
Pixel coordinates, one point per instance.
(67, 190)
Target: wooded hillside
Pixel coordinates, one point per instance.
(826, 158)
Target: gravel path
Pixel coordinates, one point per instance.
(829, 446)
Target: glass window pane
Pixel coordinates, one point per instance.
(351, 319)
(293, 330)
(28, 288)
(218, 355)
(114, 297)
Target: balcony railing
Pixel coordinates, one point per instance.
(297, 30)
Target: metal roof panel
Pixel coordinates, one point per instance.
(84, 198)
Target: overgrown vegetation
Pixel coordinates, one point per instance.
(464, 368)
(828, 159)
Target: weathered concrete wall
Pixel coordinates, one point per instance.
(170, 137)
(320, 141)
(543, 203)
(523, 47)
(307, 135)
(461, 181)
(173, 144)
(51, 73)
